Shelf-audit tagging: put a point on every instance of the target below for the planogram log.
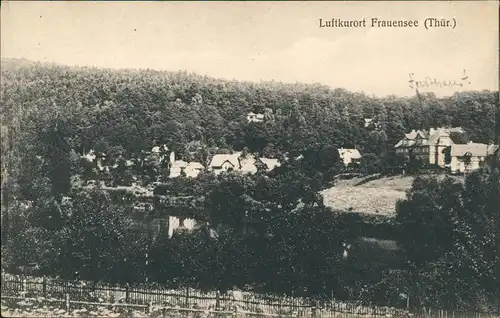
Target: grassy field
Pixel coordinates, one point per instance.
(371, 194)
(361, 194)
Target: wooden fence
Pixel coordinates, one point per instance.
(150, 299)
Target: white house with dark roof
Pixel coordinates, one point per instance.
(470, 156)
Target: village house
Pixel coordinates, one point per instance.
(255, 118)
(469, 157)
(371, 123)
(128, 163)
(349, 156)
(159, 149)
(90, 156)
(270, 163)
(428, 145)
(169, 225)
(177, 167)
(100, 164)
(159, 152)
(225, 162)
(101, 160)
(177, 223)
(191, 169)
(247, 164)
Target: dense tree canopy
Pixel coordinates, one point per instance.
(450, 238)
(273, 231)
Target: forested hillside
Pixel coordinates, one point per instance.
(113, 109)
(274, 231)
(126, 111)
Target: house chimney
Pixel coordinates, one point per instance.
(172, 158)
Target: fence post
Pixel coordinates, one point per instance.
(44, 287)
(217, 300)
(66, 301)
(187, 297)
(148, 310)
(23, 286)
(127, 294)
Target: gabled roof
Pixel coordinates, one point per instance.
(421, 135)
(475, 150)
(405, 143)
(218, 160)
(180, 164)
(195, 165)
(352, 153)
(411, 135)
(270, 163)
(492, 149)
(429, 137)
(399, 144)
(247, 163)
(455, 130)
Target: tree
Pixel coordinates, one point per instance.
(467, 160)
(57, 154)
(450, 240)
(447, 155)
(96, 241)
(28, 248)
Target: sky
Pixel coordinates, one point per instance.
(263, 41)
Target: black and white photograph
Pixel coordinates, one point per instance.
(250, 159)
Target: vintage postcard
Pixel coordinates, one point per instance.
(246, 158)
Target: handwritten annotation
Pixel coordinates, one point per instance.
(433, 82)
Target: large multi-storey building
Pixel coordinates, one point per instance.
(428, 145)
